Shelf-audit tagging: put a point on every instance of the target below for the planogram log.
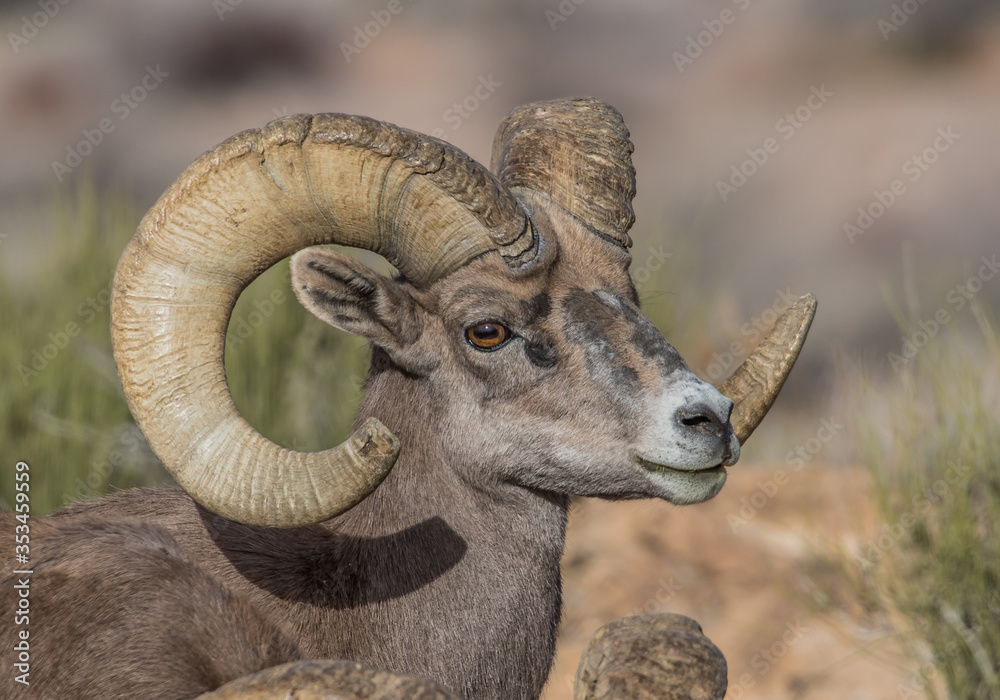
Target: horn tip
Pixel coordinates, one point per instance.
(804, 309)
(756, 383)
(375, 443)
(808, 302)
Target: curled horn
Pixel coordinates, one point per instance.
(577, 152)
(250, 202)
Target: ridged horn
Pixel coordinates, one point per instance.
(577, 151)
(756, 383)
(255, 199)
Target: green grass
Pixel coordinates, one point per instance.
(296, 379)
(930, 438)
(60, 407)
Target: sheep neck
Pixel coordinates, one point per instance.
(474, 565)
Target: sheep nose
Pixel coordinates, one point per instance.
(705, 419)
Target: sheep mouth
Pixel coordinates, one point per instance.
(683, 485)
(658, 468)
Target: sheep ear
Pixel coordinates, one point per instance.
(356, 299)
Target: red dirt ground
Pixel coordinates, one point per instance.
(770, 595)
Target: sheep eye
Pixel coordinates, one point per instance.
(488, 335)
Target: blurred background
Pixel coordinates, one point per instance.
(845, 148)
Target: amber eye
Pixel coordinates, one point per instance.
(488, 335)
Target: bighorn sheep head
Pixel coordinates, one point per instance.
(513, 305)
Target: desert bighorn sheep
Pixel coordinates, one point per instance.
(511, 369)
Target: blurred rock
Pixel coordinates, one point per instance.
(651, 657)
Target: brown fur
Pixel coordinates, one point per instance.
(100, 586)
(450, 569)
